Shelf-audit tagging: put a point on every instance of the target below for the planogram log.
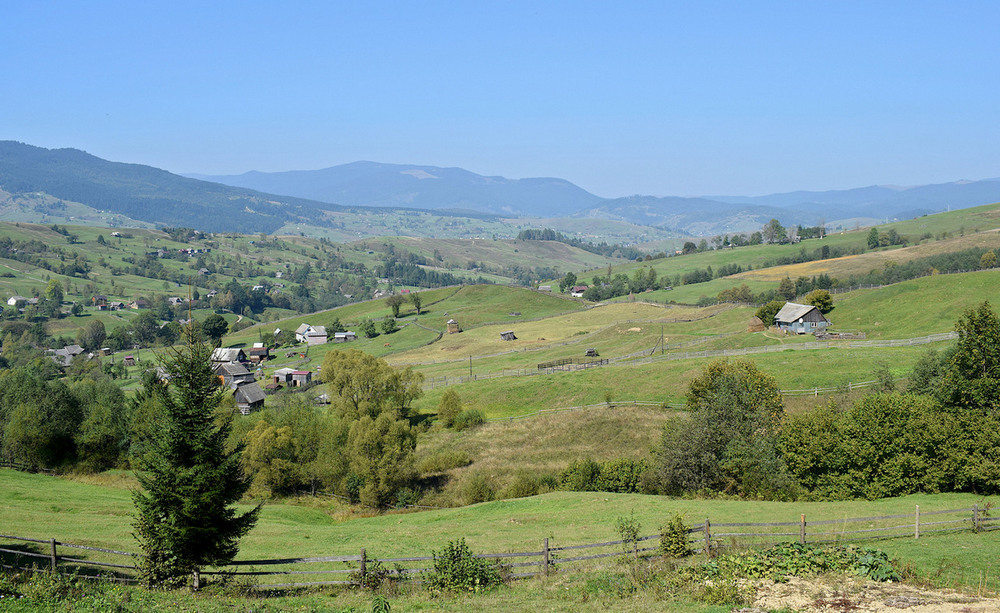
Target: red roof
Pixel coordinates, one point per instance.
(301, 372)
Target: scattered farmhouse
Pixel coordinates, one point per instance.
(344, 337)
(63, 357)
(283, 375)
(577, 291)
(259, 353)
(312, 335)
(229, 355)
(301, 378)
(232, 373)
(14, 300)
(248, 396)
(800, 318)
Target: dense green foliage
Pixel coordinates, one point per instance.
(457, 569)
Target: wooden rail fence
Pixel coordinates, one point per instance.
(706, 538)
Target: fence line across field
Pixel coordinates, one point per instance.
(436, 382)
(704, 538)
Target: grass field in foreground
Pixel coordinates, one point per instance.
(45, 507)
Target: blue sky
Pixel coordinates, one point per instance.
(660, 98)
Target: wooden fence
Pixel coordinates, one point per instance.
(705, 539)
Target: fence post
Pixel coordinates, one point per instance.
(975, 517)
(708, 539)
(52, 556)
(802, 529)
(916, 523)
(196, 580)
(545, 557)
(364, 566)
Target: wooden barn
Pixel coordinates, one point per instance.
(800, 319)
(508, 336)
(453, 327)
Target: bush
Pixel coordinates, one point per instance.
(442, 461)
(449, 408)
(581, 476)
(622, 476)
(524, 484)
(469, 418)
(674, 541)
(456, 569)
(478, 488)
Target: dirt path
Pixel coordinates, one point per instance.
(827, 594)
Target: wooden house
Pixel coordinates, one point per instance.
(453, 327)
(128, 360)
(259, 354)
(283, 375)
(228, 354)
(232, 373)
(301, 378)
(344, 337)
(577, 291)
(800, 319)
(508, 336)
(249, 397)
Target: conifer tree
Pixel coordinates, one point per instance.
(184, 513)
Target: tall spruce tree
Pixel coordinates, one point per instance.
(184, 513)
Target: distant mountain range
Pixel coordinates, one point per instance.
(247, 202)
(432, 187)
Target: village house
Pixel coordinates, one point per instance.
(229, 355)
(283, 375)
(16, 300)
(139, 303)
(577, 291)
(232, 373)
(301, 378)
(800, 319)
(249, 397)
(312, 335)
(259, 353)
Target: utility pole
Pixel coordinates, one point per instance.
(470, 366)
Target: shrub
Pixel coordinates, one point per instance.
(456, 569)
(524, 484)
(628, 529)
(674, 541)
(581, 476)
(469, 418)
(478, 488)
(449, 408)
(622, 475)
(443, 460)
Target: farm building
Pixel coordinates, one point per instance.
(312, 335)
(301, 377)
(344, 337)
(232, 373)
(508, 336)
(283, 375)
(577, 291)
(128, 360)
(800, 318)
(259, 354)
(230, 354)
(249, 397)
(453, 327)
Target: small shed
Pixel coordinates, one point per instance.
(453, 327)
(344, 337)
(283, 375)
(508, 336)
(128, 360)
(800, 318)
(316, 335)
(756, 325)
(301, 377)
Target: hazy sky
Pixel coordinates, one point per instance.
(660, 98)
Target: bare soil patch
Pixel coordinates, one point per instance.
(838, 593)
